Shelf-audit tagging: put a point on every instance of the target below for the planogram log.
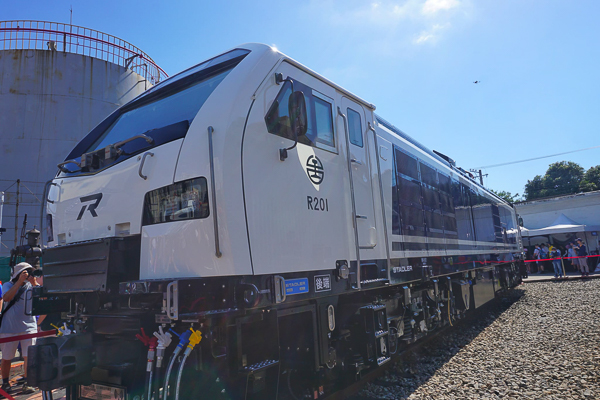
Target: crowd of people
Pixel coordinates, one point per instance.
(573, 256)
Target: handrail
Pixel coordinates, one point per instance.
(211, 130)
(381, 197)
(55, 36)
(352, 198)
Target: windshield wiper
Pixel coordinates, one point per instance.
(61, 166)
(94, 158)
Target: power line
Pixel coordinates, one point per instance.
(536, 158)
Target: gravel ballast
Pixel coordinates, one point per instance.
(541, 341)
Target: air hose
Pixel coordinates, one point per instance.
(164, 340)
(449, 318)
(195, 338)
(151, 343)
(289, 384)
(183, 339)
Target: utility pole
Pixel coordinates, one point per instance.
(2, 230)
(480, 174)
(17, 215)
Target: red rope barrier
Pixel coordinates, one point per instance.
(559, 258)
(534, 260)
(8, 396)
(28, 336)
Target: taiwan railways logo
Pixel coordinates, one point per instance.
(314, 169)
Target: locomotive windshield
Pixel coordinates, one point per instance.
(163, 113)
(169, 109)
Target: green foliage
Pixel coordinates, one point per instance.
(508, 196)
(562, 178)
(591, 180)
(533, 188)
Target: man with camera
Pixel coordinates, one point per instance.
(16, 322)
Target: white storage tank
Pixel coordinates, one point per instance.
(57, 82)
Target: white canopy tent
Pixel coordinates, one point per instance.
(562, 224)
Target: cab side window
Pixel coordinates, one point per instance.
(323, 121)
(355, 128)
(319, 109)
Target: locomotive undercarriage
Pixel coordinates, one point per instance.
(252, 347)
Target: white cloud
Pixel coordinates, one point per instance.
(431, 35)
(389, 27)
(425, 36)
(433, 6)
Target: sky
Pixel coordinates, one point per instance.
(537, 62)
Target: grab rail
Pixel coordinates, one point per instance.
(211, 130)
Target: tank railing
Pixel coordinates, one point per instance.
(55, 36)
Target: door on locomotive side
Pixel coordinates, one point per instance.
(359, 146)
(297, 207)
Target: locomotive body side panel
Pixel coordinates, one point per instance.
(95, 206)
(363, 175)
(435, 212)
(187, 248)
(298, 210)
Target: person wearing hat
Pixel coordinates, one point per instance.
(16, 322)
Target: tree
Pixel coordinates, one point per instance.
(561, 178)
(508, 196)
(591, 180)
(534, 188)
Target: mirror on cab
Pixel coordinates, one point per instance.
(297, 113)
(298, 119)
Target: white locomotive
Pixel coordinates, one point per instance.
(255, 201)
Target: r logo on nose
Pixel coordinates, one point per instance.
(91, 207)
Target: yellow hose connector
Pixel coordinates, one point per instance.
(58, 331)
(195, 338)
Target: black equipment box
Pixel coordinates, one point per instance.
(93, 266)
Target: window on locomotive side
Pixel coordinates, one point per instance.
(355, 128)
(408, 206)
(177, 202)
(323, 120)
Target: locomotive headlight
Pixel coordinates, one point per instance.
(331, 317)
